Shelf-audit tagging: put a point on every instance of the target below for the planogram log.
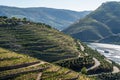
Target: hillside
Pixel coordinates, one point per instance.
(38, 41)
(58, 18)
(15, 38)
(98, 25)
(16, 66)
(113, 39)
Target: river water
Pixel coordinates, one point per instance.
(110, 51)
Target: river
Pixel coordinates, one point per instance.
(110, 51)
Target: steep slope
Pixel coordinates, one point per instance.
(99, 24)
(109, 14)
(37, 40)
(16, 66)
(88, 29)
(57, 18)
(22, 47)
(45, 43)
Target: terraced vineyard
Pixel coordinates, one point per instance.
(29, 68)
(38, 39)
(57, 73)
(77, 63)
(13, 64)
(10, 58)
(24, 44)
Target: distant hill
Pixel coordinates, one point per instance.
(98, 25)
(58, 18)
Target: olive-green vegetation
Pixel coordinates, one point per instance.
(32, 40)
(31, 71)
(57, 73)
(36, 39)
(111, 76)
(10, 58)
(25, 44)
(101, 25)
(77, 63)
(13, 64)
(84, 70)
(104, 67)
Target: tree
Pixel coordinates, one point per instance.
(5, 17)
(14, 18)
(24, 19)
(84, 70)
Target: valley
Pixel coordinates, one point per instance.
(40, 43)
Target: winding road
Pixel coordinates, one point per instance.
(115, 69)
(97, 63)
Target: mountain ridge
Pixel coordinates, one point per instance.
(97, 25)
(58, 18)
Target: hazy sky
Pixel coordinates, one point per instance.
(78, 5)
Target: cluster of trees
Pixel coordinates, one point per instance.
(77, 63)
(104, 67)
(109, 76)
(5, 21)
(13, 18)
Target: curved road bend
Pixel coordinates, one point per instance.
(97, 63)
